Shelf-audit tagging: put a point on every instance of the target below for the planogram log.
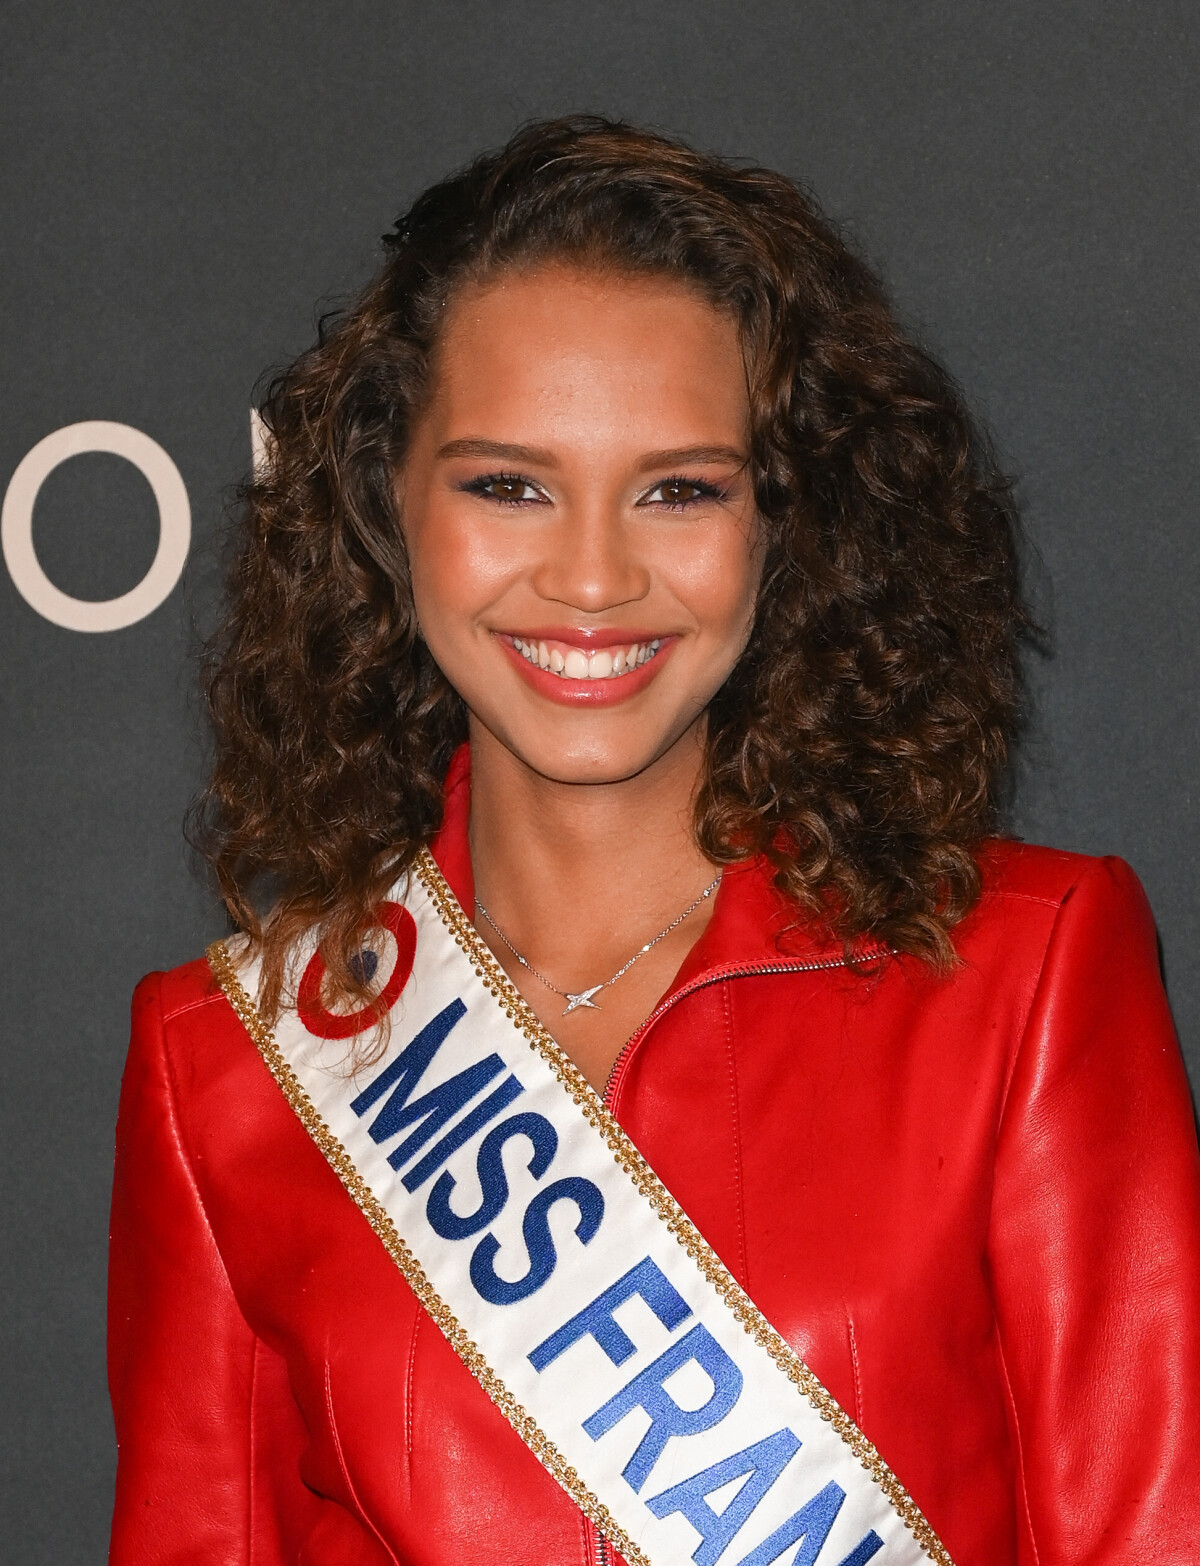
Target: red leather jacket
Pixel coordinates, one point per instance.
(972, 1205)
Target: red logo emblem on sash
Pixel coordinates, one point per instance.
(326, 1024)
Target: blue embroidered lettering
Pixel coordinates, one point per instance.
(466, 1128)
(863, 1550)
(404, 1073)
(646, 1280)
(493, 1182)
(646, 1391)
(809, 1527)
(538, 1241)
(409, 1065)
(434, 1109)
(763, 1463)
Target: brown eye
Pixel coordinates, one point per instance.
(502, 487)
(677, 492)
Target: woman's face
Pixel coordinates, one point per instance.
(579, 516)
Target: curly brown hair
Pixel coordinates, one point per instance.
(859, 740)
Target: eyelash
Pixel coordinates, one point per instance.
(479, 486)
(705, 491)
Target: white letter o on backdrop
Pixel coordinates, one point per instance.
(174, 526)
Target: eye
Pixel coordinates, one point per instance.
(676, 493)
(510, 489)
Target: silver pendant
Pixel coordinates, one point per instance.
(584, 998)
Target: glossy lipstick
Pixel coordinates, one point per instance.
(591, 667)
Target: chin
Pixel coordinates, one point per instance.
(595, 759)
(597, 766)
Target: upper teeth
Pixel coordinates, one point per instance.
(576, 664)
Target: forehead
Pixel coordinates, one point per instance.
(560, 346)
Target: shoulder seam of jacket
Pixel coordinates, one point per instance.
(186, 1006)
(1090, 867)
(1027, 897)
(181, 1143)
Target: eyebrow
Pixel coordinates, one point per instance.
(504, 451)
(681, 456)
(469, 446)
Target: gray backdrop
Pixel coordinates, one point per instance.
(182, 183)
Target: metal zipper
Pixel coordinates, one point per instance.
(716, 976)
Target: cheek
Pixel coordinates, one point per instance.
(718, 578)
(455, 570)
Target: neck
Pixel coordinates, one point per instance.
(571, 870)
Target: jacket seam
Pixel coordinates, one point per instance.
(181, 1143)
(176, 1123)
(185, 1006)
(995, 895)
(858, 1399)
(345, 1472)
(1003, 1110)
(738, 1194)
(1016, 1424)
(250, 1484)
(409, 1379)
(1041, 974)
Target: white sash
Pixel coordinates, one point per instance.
(569, 1281)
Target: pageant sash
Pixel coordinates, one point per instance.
(569, 1281)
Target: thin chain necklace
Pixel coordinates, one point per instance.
(583, 998)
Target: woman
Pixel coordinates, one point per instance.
(618, 545)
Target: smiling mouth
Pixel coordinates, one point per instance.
(578, 663)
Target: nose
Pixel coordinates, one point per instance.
(592, 562)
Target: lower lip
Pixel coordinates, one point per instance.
(588, 693)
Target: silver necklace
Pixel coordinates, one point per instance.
(583, 998)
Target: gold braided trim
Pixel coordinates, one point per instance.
(518, 1010)
(627, 1157)
(532, 1435)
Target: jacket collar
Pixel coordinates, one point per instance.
(752, 924)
